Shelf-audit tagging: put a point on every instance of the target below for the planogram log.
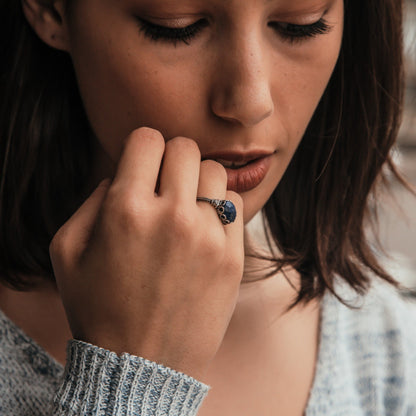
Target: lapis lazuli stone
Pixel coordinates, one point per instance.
(229, 211)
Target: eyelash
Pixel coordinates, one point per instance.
(297, 33)
(288, 31)
(169, 34)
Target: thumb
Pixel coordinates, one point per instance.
(72, 238)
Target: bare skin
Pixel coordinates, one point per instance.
(158, 275)
(238, 86)
(265, 364)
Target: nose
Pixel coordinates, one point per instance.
(241, 90)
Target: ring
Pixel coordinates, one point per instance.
(225, 209)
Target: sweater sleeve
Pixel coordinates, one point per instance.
(99, 382)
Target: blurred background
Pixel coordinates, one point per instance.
(398, 219)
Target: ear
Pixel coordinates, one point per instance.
(48, 20)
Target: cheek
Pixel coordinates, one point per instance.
(121, 94)
(126, 88)
(299, 84)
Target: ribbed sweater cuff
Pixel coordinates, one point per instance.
(99, 382)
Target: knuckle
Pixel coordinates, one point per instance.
(213, 168)
(181, 222)
(125, 209)
(213, 246)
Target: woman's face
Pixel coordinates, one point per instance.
(240, 77)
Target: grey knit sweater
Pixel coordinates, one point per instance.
(366, 367)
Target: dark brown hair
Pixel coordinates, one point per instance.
(316, 215)
(45, 148)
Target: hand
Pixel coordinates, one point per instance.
(155, 275)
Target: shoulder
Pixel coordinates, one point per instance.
(383, 310)
(367, 358)
(381, 322)
(28, 376)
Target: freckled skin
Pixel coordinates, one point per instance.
(229, 89)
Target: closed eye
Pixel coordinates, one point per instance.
(296, 33)
(287, 31)
(170, 34)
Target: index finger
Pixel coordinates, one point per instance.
(140, 162)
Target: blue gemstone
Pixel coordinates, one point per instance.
(230, 211)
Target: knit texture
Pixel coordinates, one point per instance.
(95, 381)
(98, 381)
(366, 367)
(367, 356)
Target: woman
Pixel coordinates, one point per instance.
(121, 123)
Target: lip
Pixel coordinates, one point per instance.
(249, 176)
